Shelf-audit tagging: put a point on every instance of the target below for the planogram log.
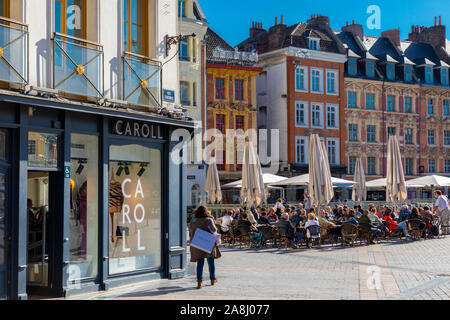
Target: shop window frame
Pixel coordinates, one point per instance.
(152, 144)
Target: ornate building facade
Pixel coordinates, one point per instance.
(191, 53)
(400, 88)
(300, 89)
(231, 100)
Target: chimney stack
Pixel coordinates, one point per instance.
(440, 22)
(355, 29)
(276, 21)
(393, 34)
(435, 21)
(282, 19)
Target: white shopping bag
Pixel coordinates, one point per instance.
(192, 268)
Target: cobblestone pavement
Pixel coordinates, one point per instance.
(390, 270)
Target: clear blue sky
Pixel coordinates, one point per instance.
(232, 19)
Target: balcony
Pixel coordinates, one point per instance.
(14, 39)
(141, 81)
(77, 66)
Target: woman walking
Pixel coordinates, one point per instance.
(205, 222)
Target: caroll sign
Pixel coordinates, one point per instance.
(138, 130)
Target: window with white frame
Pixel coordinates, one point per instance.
(447, 166)
(371, 166)
(429, 74)
(352, 66)
(391, 103)
(301, 150)
(432, 166)
(430, 106)
(408, 105)
(409, 166)
(408, 136)
(316, 80)
(446, 108)
(333, 150)
(370, 101)
(332, 81)
(371, 133)
(353, 132)
(301, 78)
(333, 116)
(301, 114)
(447, 138)
(314, 43)
(351, 99)
(431, 138)
(351, 165)
(316, 115)
(444, 76)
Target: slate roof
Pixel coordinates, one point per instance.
(282, 36)
(408, 53)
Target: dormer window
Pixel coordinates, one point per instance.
(390, 71)
(408, 73)
(429, 74)
(314, 44)
(352, 69)
(370, 68)
(444, 76)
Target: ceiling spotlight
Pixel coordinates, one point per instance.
(141, 172)
(127, 170)
(119, 171)
(80, 169)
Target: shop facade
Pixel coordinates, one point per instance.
(89, 198)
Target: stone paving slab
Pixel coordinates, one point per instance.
(390, 270)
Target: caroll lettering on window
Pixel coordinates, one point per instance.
(138, 213)
(136, 129)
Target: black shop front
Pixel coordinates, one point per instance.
(89, 198)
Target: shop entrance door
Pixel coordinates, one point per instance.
(5, 237)
(40, 203)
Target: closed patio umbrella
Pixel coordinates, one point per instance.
(320, 185)
(395, 178)
(359, 188)
(252, 190)
(212, 186)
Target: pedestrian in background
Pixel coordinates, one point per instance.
(206, 223)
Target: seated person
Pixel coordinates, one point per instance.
(286, 224)
(263, 219)
(272, 216)
(328, 226)
(374, 231)
(225, 222)
(349, 217)
(245, 222)
(296, 218)
(404, 214)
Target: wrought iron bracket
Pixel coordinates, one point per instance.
(175, 40)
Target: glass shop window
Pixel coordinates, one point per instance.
(42, 150)
(84, 165)
(134, 209)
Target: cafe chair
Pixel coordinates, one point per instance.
(313, 234)
(349, 234)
